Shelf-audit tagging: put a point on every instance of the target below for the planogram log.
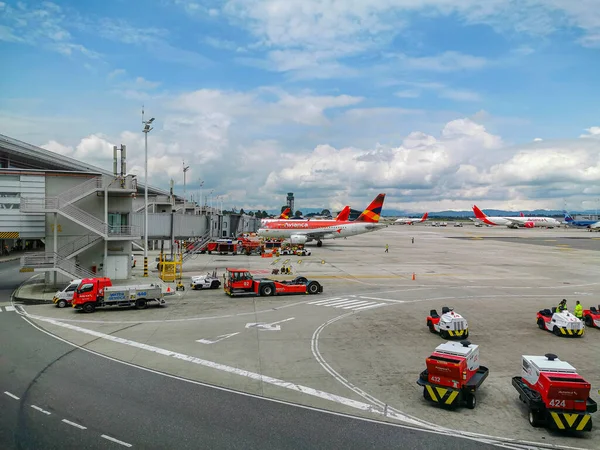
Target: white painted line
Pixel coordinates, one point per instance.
(345, 302)
(217, 366)
(328, 300)
(376, 305)
(12, 395)
(41, 410)
(9, 308)
(116, 440)
(382, 299)
(351, 304)
(321, 302)
(73, 424)
(461, 434)
(356, 306)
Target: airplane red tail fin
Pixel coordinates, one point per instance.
(424, 218)
(522, 215)
(478, 213)
(285, 214)
(343, 215)
(373, 211)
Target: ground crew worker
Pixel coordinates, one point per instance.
(386, 248)
(413, 240)
(562, 306)
(578, 310)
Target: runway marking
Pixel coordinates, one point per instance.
(12, 395)
(218, 366)
(116, 440)
(73, 424)
(381, 299)
(349, 303)
(8, 308)
(520, 444)
(41, 410)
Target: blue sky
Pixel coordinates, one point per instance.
(436, 103)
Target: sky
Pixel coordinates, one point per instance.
(440, 104)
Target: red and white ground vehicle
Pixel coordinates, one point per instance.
(453, 375)
(449, 324)
(561, 323)
(93, 293)
(555, 394)
(208, 281)
(591, 317)
(240, 282)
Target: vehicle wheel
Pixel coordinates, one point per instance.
(431, 327)
(426, 395)
(589, 322)
(89, 307)
(140, 303)
(61, 303)
(313, 287)
(444, 334)
(534, 419)
(214, 284)
(471, 401)
(556, 331)
(266, 290)
(541, 324)
(319, 244)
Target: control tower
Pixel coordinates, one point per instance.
(290, 203)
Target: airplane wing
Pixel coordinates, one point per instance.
(514, 221)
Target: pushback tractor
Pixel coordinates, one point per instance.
(591, 317)
(453, 375)
(555, 394)
(449, 325)
(240, 282)
(561, 323)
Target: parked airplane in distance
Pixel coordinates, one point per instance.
(516, 222)
(301, 232)
(591, 224)
(283, 216)
(410, 221)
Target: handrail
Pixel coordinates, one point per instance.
(77, 244)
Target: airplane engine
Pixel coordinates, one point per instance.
(529, 224)
(298, 239)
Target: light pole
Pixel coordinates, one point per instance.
(147, 129)
(201, 199)
(185, 169)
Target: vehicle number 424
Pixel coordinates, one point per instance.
(558, 403)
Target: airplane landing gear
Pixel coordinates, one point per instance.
(319, 243)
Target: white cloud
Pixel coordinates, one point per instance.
(408, 93)
(442, 91)
(593, 132)
(444, 62)
(460, 95)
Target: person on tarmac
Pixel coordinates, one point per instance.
(578, 310)
(562, 306)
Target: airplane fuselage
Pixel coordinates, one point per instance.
(536, 221)
(327, 229)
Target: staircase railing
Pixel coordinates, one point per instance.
(197, 247)
(77, 244)
(53, 261)
(81, 190)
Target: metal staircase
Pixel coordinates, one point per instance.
(63, 205)
(197, 247)
(78, 245)
(42, 262)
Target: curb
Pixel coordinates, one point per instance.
(24, 300)
(17, 258)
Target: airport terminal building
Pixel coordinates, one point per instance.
(75, 220)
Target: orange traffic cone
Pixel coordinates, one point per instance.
(169, 287)
(414, 276)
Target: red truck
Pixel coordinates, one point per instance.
(240, 282)
(555, 394)
(453, 375)
(592, 317)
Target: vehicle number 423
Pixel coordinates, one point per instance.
(558, 403)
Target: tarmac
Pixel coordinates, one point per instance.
(359, 347)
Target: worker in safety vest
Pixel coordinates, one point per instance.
(562, 306)
(578, 310)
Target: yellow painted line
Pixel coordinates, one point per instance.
(549, 240)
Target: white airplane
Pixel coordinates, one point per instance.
(410, 221)
(516, 222)
(301, 232)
